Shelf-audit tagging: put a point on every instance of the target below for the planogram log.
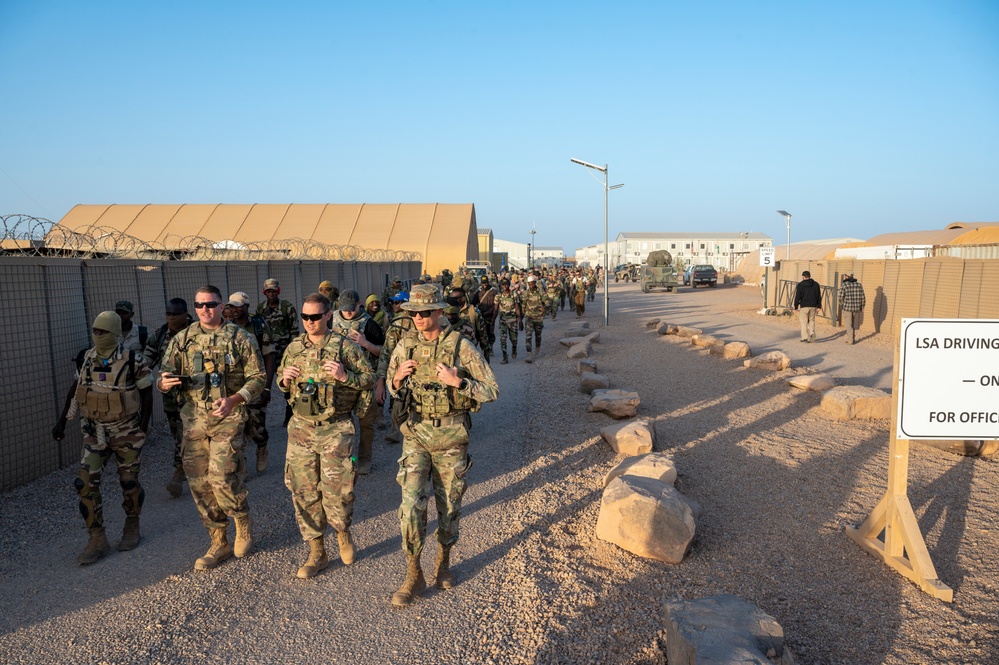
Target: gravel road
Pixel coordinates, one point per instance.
(778, 482)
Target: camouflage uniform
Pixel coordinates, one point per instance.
(401, 326)
(367, 411)
(481, 336)
(256, 424)
(283, 323)
(319, 470)
(155, 347)
(107, 394)
(506, 306)
(534, 303)
(436, 435)
(213, 447)
(554, 292)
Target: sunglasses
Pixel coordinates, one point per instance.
(210, 305)
(313, 317)
(425, 314)
(176, 313)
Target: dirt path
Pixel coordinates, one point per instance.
(777, 480)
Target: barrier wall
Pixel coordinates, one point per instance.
(937, 287)
(49, 305)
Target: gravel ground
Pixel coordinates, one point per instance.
(777, 480)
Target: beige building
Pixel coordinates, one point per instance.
(443, 234)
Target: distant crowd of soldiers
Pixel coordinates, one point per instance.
(424, 353)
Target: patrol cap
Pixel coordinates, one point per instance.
(239, 299)
(124, 305)
(451, 309)
(348, 301)
(271, 283)
(396, 279)
(484, 280)
(424, 297)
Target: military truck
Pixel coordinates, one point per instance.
(659, 272)
(629, 272)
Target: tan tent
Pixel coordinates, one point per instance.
(444, 234)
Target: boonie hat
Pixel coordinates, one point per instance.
(124, 305)
(348, 301)
(271, 283)
(239, 299)
(424, 297)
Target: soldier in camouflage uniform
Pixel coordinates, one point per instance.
(533, 303)
(509, 316)
(256, 426)
(177, 319)
(554, 293)
(282, 318)
(217, 368)
(325, 373)
(453, 319)
(113, 393)
(389, 293)
(446, 378)
(472, 313)
(400, 326)
(327, 289)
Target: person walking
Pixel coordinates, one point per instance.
(325, 373)
(509, 316)
(256, 426)
(218, 370)
(446, 378)
(851, 303)
(808, 301)
(533, 303)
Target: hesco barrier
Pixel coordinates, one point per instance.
(49, 305)
(938, 287)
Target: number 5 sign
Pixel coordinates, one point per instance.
(767, 257)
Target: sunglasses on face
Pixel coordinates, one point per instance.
(425, 314)
(176, 313)
(212, 304)
(313, 317)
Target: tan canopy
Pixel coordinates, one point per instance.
(444, 234)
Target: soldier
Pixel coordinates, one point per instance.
(400, 326)
(373, 307)
(533, 303)
(113, 392)
(256, 426)
(452, 318)
(510, 317)
(133, 336)
(472, 313)
(327, 289)
(445, 378)
(177, 318)
(485, 299)
(390, 291)
(325, 374)
(554, 292)
(354, 323)
(217, 368)
(280, 315)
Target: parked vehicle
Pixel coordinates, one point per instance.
(686, 274)
(628, 273)
(659, 272)
(703, 274)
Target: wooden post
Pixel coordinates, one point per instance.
(894, 516)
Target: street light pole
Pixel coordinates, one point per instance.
(607, 189)
(532, 257)
(787, 220)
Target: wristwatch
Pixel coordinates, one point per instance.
(463, 385)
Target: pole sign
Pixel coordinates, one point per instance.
(948, 379)
(767, 257)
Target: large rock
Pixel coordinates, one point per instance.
(969, 448)
(577, 351)
(684, 331)
(658, 466)
(772, 360)
(593, 337)
(668, 329)
(648, 518)
(576, 332)
(632, 438)
(706, 341)
(732, 350)
(815, 382)
(615, 403)
(586, 366)
(652, 323)
(571, 341)
(721, 630)
(588, 382)
(856, 402)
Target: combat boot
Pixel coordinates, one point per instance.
(261, 459)
(537, 352)
(218, 552)
(96, 547)
(505, 359)
(130, 534)
(530, 357)
(176, 484)
(244, 536)
(317, 559)
(346, 544)
(445, 580)
(514, 354)
(412, 585)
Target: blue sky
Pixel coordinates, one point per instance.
(859, 118)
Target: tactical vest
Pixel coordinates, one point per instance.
(430, 397)
(313, 395)
(209, 358)
(107, 393)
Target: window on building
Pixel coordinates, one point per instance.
(645, 246)
(702, 245)
(745, 245)
(687, 246)
(731, 245)
(672, 245)
(761, 244)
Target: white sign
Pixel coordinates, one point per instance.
(948, 379)
(767, 257)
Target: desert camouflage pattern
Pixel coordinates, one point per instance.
(123, 440)
(437, 453)
(401, 326)
(534, 303)
(256, 422)
(283, 323)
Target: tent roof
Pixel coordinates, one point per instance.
(938, 237)
(980, 236)
(970, 225)
(444, 234)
